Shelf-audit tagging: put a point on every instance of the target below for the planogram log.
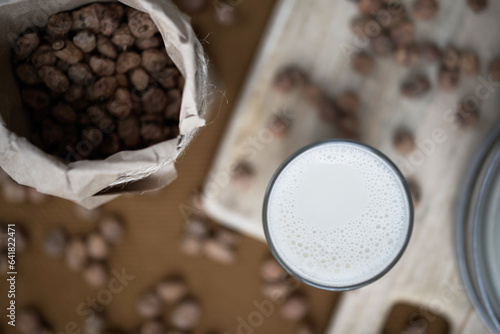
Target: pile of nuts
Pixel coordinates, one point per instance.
(87, 254)
(395, 36)
(98, 80)
(280, 287)
(200, 237)
(171, 294)
(341, 110)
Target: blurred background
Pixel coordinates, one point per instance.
(413, 78)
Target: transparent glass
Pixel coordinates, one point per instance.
(271, 244)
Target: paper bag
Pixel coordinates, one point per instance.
(87, 182)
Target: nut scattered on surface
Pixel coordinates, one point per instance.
(226, 13)
(192, 6)
(469, 63)
(97, 247)
(451, 58)
(271, 270)
(29, 321)
(76, 254)
(227, 237)
(197, 226)
(279, 125)
(407, 55)
(95, 274)
(415, 87)
(295, 307)
(305, 328)
(348, 124)
(149, 305)
(191, 245)
(112, 229)
(365, 26)
(12, 192)
(477, 5)
(276, 291)
(425, 9)
(430, 53)
(347, 102)
(172, 289)
(403, 33)
(152, 327)
(85, 214)
(95, 324)
(186, 315)
(403, 141)
(369, 7)
(494, 70)
(219, 252)
(243, 174)
(448, 80)
(382, 45)
(467, 114)
(415, 192)
(362, 63)
(196, 204)
(36, 197)
(55, 242)
(289, 78)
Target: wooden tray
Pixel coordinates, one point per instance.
(315, 36)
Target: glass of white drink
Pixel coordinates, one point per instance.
(338, 215)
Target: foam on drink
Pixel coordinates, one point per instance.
(338, 214)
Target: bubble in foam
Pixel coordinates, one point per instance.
(347, 205)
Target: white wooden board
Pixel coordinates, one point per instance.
(313, 35)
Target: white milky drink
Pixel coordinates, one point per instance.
(338, 215)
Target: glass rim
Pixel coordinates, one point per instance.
(269, 240)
